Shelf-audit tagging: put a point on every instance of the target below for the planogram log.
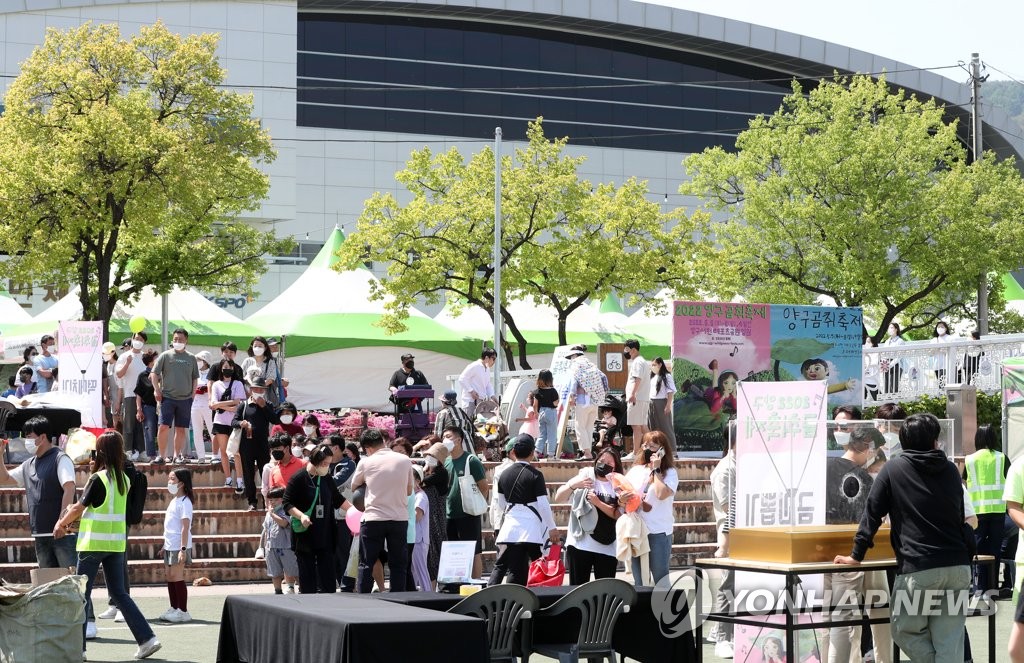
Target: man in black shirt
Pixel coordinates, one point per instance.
(406, 376)
(921, 492)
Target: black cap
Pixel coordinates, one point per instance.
(407, 356)
(126, 342)
(259, 382)
(273, 340)
(523, 446)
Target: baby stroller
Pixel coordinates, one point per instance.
(612, 435)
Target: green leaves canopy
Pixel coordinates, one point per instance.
(860, 194)
(120, 155)
(563, 241)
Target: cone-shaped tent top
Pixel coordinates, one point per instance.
(182, 305)
(11, 312)
(322, 289)
(644, 317)
(325, 309)
(1013, 285)
(610, 304)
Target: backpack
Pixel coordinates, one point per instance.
(136, 493)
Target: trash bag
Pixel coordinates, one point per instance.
(43, 623)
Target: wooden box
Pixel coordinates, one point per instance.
(802, 544)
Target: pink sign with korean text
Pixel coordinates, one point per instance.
(81, 368)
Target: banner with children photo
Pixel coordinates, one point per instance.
(715, 345)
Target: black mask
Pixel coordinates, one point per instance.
(625, 355)
(603, 469)
(647, 455)
(409, 364)
(277, 454)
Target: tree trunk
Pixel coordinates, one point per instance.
(561, 330)
(524, 363)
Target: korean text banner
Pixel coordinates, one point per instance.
(81, 366)
(717, 345)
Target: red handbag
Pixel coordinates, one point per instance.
(549, 569)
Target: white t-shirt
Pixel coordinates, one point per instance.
(179, 509)
(1013, 491)
(660, 519)
(65, 472)
(640, 368)
(586, 542)
(667, 389)
(135, 369)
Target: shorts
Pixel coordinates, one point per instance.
(177, 413)
(171, 557)
(1018, 615)
(281, 562)
(638, 413)
(222, 429)
(466, 528)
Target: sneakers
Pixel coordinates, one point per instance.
(169, 615)
(239, 486)
(259, 553)
(143, 457)
(147, 648)
(628, 456)
(228, 483)
(90, 630)
(180, 617)
(109, 613)
(159, 460)
(251, 508)
(290, 589)
(120, 617)
(179, 460)
(133, 456)
(723, 649)
(214, 460)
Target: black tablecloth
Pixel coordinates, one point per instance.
(315, 628)
(61, 419)
(637, 633)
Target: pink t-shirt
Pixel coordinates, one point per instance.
(388, 478)
(237, 393)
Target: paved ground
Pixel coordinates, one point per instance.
(196, 642)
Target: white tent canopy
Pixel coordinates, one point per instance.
(184, 305)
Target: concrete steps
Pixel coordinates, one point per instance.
(226, 536)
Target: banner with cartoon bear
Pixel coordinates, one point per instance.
(715, 345)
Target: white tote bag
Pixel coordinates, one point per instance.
(473, 502)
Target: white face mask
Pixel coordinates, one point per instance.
(449, 444)
(308, 430)
(258, 350)
(107, 357)
(431, 461)
(178, 347)
(287, 418)
(842, 438)
(137, 344)
(323, 471)
(297, 451)
(172, 488)
(870, 461)
(31, 446)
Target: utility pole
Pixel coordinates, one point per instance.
(497, 263)
(976, 148)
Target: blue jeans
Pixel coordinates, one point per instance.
(149, 428)
(661, 553)
(113, 570)
(547, 420)
(934, 635)
(54, 553)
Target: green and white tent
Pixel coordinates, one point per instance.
(336, 354)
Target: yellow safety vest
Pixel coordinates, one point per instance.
(985, 481)
(105, 529)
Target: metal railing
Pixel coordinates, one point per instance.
(922, 368)
(506, 377)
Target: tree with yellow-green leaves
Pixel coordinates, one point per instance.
(125, 164)
(563, 242)
(862, 194)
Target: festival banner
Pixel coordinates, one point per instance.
(81, 367)
(717, 345)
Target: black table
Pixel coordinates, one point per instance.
(319, 628)
(61, 419)
(637, 633)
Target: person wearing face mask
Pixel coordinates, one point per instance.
(888, 420)
(654, 477)
(26, 385)
(45, 364)
(638, 393)
(178, 543)
(175, 377)
(228, 350)
(290, 424)
(311, 428)
(311, 498)
(112, 390)
(128, 369)
(225, 396)
(593, 551)
(254, 416)
(940, 360)
(460, 462)
(387, 476)
(286, 465)
(202, 415)
(435, 487)
(48, 477)
(451, 414)
(406, 376)
(264, 365)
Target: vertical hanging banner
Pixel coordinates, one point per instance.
(780, 454)
(717, 345)
(81, 368)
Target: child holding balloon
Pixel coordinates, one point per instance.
(277, 532)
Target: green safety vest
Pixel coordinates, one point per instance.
(105, 529)
(985, 481)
